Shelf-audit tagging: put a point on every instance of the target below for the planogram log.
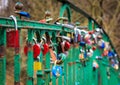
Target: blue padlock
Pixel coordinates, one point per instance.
(102, 45)
(111, 54)
(85, 55)
(82, 43)
(57, 71)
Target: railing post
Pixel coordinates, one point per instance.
(47, 69)
(40, 81)
(30, 58)
(17, 67)
(54, 41)
(2, 57)
(90, 24)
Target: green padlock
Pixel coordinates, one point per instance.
(62, 57)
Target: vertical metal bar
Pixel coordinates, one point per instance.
(75, 67)
(47, 71)
(65, 72)
(53, 80)
(2, 57)
(60, 80)
(96, 53)
(17, 67)
(54, 41)
(40, 81)
(90, 24)
(30, 58)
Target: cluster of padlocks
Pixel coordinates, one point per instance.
(87, 41)
(92, 40)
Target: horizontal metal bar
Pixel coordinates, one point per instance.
(26, 24)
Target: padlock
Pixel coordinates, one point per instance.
(112, 62)
(13, 35)
(81, 56)
(91, 32)
(37, 65)
(110, 54)
(42, 21)
(62, 57)
(36, 50)
(45, 48)
(116, 67)
(105, 52)
(101, 44)
(67, 46)
(79, 38)
(95, 64)
(93, 48)
(87, 39)
(25, 50)
(56, 70)
(82, 43)
(99, 37)
(90, 53)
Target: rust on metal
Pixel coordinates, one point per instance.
(30, 47)
(2, 51)
(17, 49)
(71, 63)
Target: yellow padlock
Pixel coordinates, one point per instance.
(37, 65)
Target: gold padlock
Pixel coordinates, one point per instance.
(37, 65)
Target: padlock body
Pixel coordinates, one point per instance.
(13, 38)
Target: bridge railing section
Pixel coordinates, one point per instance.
(41, 50)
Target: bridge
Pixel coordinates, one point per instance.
(82, 64)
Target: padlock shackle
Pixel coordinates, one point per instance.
(55, 62)
(15, 21)
(34, 40)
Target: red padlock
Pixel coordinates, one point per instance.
(42, 21)
(91, 32)
(13, 38)
(79, 37)
(67, 45)
(105, 53)
(36, 50)
(94, 48)
(25, 50)
(13, 35)
(46, 48)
